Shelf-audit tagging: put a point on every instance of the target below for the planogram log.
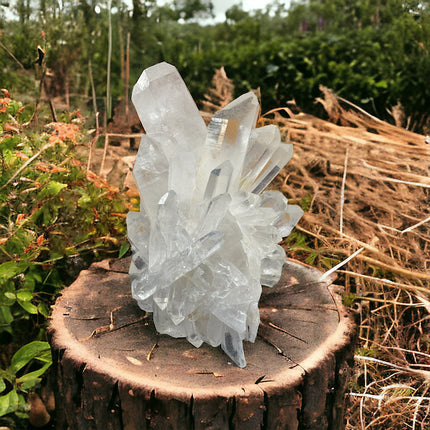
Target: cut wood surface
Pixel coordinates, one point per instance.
(113, 371)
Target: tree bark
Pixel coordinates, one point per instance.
(113, 371)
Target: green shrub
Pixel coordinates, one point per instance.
(55, 219)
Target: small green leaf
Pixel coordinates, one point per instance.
(124, 248)
(43, 309)
(349, 299)
(9, 295)
(32, 277)
(311, 259)
(7, 376)
(47, 216)
(24, 407)
(71, 250)
(9, 403)
(36, 350)
(84, 201)
(5, 315)
(9, 269)
(381, 84)
(24, 296)
(2, 385)
(29, 380)
(23, 415)
(28, 306)
(51, 189)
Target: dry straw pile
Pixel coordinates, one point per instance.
(365, 186)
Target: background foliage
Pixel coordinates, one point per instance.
(375, 52)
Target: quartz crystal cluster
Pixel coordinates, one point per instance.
(206, 237)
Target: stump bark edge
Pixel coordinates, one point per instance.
(308, 396)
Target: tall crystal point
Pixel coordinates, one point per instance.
(227, 138)
(165, 106)
(206, 237)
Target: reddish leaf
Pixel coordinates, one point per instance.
(42, 166)
(21, 155)
(9, 127)
(20, 218)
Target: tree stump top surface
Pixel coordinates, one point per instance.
(97, 322)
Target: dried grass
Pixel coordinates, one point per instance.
(220, 94)
(366, 187)
(366, 184)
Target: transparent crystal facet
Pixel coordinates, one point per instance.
(165, 105)
(273, 166)
(263, 143)
(219, 180)
(206, 237)
(227, 139)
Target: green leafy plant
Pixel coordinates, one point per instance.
(27, 366)
(315, 255)
(55, 219)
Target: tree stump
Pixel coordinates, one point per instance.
(113, 371)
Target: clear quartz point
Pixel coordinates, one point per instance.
(165, 105)
(276, 162)
(227, 139)
(213, 212)
(263, 143)
(219, 180)
(206, 237)
(231, 344)
(178, 265)
(291, 218)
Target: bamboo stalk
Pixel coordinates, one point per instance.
(93, 88)
(127, 74)
(109, 60)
